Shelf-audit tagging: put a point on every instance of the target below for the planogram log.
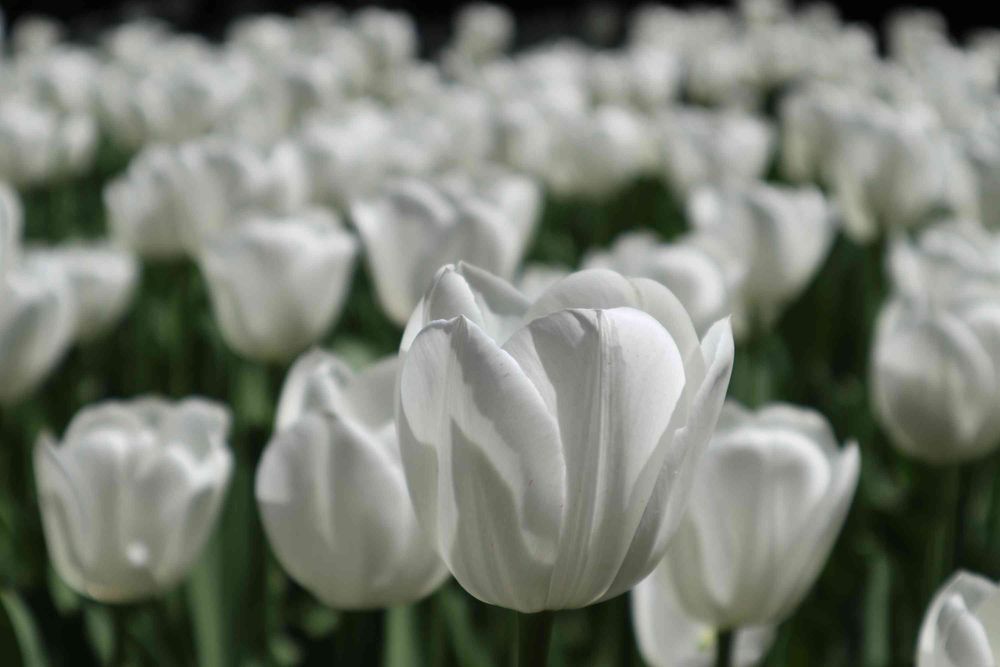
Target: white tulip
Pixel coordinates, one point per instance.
(37, 324)
(549, 447)
(483, 31)
(535, 278)
(102, 279)
(690, 271)
(277, 284)
(172, 198)
(770, 496)
(346, 157)
(11, 224)
(670, 637)
(40, 144)
(35, 34)
(947, 260)
(936, 374)
(701, 146)
(781, 236)
(599, 151)
(331, 490)
(390, 36)
(131, 495)
(414, 228)
(962, 625)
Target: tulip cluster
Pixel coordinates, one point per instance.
(351, 345)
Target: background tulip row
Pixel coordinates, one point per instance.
(217, 259)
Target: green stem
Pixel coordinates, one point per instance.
(119, 635)
(533, 634)
(963, 482)
(725, 644)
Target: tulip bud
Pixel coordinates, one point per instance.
(690, 271)
(936, 376)
(102, 279)
(414, 228)
(37, 323)
(780, 235)
(770, 496)
(962, 624)
(670, 637)
(700, 147)
(11, 224)
(277, 285)
(483, 31)
(581, 425)
(331, 490)
(131, 495)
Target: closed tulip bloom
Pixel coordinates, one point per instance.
(780, 235)
(331, 490)
(770, 497)
(130, 496)
(549, 447)
(414, 228)
(946, 261)
(690, 271)
(702, 147)
(37, 324)
(11, 224)
(39, 143)
(670, 637)
(102, 279)
(962, 625)
(936, 375)
(277, 284)
(483, 31)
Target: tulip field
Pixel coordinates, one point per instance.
(670, 343)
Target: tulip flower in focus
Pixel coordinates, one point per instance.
(131, 494)
(277, 284)
(669, 637)
(771, 494)
(331, 490)
(549, 447)
(962, 625)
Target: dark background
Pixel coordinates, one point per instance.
(537, 18)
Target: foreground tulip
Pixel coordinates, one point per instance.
(549, 447)
(37, 324)
(669, 637)
(102, 279)
(130, 497)
(770, 497)
(277, 284)
(414, 228)
(936, 376)
(331, 489)
(780, 235)
(962, 625)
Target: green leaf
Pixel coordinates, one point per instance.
(18, 629)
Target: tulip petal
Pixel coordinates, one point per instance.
(465, 401)
(613, 378)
